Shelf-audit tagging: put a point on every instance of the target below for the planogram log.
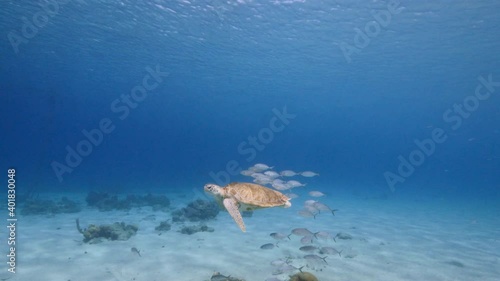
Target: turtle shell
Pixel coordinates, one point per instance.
(255, 195)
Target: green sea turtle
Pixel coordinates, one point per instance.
(241, 196)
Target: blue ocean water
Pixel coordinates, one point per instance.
(356, 108)
(384, 99)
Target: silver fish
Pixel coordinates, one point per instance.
(301, 231)
(286, 268)
(280, 186)
(315, 193)
(219, 277)
(306, 214)
(271, 174)
(279, 262)
(307, 239)
(322, 207)
(247, 172)
(329, 251)
(260, 167)
(288, 173)
(135, 250)
(324, 235)
(310, 202)
(308, 248)
(309, 174)
(267, 246)
(294, 183)
(315, 258)
(279, 236)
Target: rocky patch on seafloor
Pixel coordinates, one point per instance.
(98, 233)
(164, 226)
(49, 207)
(103, 201)
(195, 211)
(192, 229)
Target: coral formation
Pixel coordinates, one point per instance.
(106, 202)
(97, 233)
(164, 226)
(303, 276)
(198, 210)
(193, 229)
(49, 207)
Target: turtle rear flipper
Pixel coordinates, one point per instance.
(232, 207)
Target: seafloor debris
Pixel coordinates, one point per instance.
(99, 233)
(198, 210)
(106, 202)
(49, 207)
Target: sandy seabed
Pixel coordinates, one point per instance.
(391, 240)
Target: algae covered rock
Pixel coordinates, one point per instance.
(198, 210)
(164, 226)
(195, 228)
(49, 207)
(117, 231)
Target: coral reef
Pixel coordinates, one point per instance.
(195, 228)
(164, 226)
(303, 276)
(49, 207)
(98, 233)
(198, 210)
(106, 202)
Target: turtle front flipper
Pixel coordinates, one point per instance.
(232, 207)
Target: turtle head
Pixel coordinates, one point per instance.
(213, 189)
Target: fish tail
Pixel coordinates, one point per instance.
(288, 236)
(324, 259)
(300, 268)
(333, 211)
(340, 253)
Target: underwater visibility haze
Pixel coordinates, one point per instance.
(374, 123)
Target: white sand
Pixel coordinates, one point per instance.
(392, 240)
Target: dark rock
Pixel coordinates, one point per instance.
(164, 226)
(49, 207)
(193, 229)
(198, 210)
(117, 231)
